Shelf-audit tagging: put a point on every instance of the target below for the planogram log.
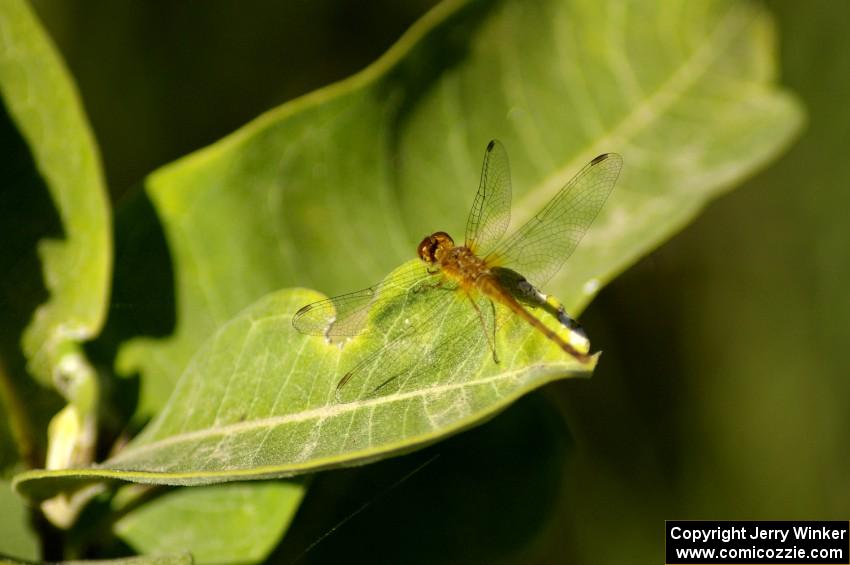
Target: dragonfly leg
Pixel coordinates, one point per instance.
(491, 337)
(429, 286)
(495, 325)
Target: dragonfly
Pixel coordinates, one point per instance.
(486, 270)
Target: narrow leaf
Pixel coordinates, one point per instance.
(42, 101)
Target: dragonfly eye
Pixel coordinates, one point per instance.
(426, 249)
(431, 245)
(443, 239)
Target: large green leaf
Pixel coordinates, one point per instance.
(334, 189)
(261, 400)
(42, 101)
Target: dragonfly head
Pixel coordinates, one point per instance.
(433, 247)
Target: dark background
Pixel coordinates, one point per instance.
(723, 390)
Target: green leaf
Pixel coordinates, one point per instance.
(183, 559)
(16, 538)
(260, 399)
(42, 101)
(235, 523)
(334, 189)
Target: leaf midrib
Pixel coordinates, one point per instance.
(323, 412)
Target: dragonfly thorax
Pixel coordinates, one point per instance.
(434, 247)
(457, 262)
(461, 264)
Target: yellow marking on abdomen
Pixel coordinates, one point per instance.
(494, 290)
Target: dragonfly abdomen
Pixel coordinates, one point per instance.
(490, 286)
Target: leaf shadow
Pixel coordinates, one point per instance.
(143, 304)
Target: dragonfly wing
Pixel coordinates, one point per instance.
(540, 247)
(491, 210)
(346, 315)
(399, 365)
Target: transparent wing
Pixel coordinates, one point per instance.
(491, 210)
(540, 247)
(399, 365)
(345, 315)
